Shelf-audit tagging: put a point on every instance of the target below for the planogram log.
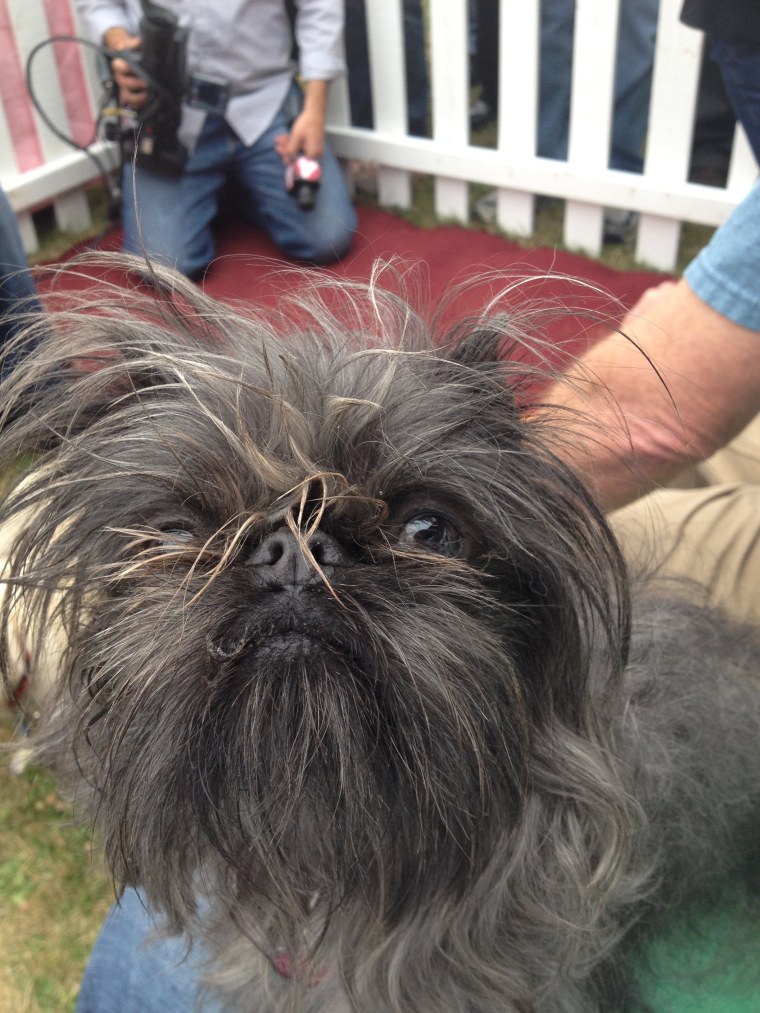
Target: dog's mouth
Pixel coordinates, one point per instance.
(293, 646)
(284, 641)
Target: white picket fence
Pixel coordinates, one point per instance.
(36, 168)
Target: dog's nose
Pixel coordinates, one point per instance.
(280, 557)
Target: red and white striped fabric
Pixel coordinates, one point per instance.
(63, 78)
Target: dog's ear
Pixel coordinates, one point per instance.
(490, 356)
(476, 345)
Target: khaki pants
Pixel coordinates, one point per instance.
(706, 527)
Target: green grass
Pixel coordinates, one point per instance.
(54, 893)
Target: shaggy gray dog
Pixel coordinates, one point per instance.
(353, 675)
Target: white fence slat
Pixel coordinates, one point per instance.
(72, 211)
(92, 73)
(339, 113)
(30, 27)
(674, 96)
(657, 241)
(338, 105)
(518, 106)
(394, 187)
(743, 169)
(591, 100)
(450, 99)
(675, 83)
(28, 232)
(8, 163)
(515, 211)
(583, 227)
(385, 38)
(591, 109)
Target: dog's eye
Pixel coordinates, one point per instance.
(432, 531)
(174, 533)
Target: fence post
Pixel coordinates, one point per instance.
(450, 80)
(591, 111)
(385, 32)
(671, 126)
(519, 27)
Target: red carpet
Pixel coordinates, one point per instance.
(441, 258)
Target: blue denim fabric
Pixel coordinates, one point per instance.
(131, 971)
(633, 80)
(17, 289)
(740, 68)
(170, 219)
(726, 273)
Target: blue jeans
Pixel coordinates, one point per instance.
(633, 80)
(130, 971)
(740, 68)
(175, 213)
(17, 289)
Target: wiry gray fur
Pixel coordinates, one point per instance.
(427, 761)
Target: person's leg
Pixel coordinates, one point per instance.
(131, 969)
(740, 66)
(556, 70)
(486, 57)
(637, 33)
(168, 218)
(417, 84)
(319, 236)
(706, 530)
(707, 536)
(357, 64)
(16, 283)
(18, 292)
(714, 124)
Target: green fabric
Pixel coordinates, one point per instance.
(712, 966)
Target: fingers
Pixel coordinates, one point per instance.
(284, 148)
(133, 91)
(307, 137)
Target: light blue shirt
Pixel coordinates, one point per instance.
(726, 273)
(246, 44)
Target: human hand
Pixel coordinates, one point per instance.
(133, 90)
(307, 132)
(306, 137)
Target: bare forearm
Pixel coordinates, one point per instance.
(682, 381)
(307, 133)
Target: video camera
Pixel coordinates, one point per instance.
(151, 137)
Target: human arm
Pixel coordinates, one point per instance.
(682, 378)
(319, 32)
(678, 382)
(307, 133)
